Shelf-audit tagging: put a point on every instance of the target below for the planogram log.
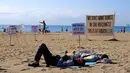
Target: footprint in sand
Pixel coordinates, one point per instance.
(2, 70)
(25, 69)
(16, 64)
(43, 69)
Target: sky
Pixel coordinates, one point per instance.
(61, 12)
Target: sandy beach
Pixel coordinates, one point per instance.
(14, 59)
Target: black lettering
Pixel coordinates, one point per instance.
(94, 24)
(89, 17)
(90, 24)
(94, 17)
(89, 30)
(101, 18)
(81, 29)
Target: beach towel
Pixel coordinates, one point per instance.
(90, 63)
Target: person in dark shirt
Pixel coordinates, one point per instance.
(67, 29)
(124, 30)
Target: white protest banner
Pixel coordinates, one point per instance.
(100, 25)
(78, 28)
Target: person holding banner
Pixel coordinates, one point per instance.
(75, 59)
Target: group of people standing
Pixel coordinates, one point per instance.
(123, 30)
(63, 29)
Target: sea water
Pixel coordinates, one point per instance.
(57, 28)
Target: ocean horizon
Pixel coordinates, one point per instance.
(57, 28)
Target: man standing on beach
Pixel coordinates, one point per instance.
(61, 29)
(124, 29)
(121, 30)
(67, 29)
(44, 27)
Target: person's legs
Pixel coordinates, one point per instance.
(49, 58)
(42, 31)
(43, 50)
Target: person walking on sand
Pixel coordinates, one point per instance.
(44, 27)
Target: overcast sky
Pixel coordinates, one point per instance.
(61, 12)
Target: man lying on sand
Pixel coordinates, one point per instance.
(75, 59)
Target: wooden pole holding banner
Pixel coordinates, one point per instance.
(113, 27)
(10, 39)
(17, 36)
(9, 32)
(114, 38)
(10, 36)
(35, 36)
(79, 41)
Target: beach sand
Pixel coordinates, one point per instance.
(14, 59)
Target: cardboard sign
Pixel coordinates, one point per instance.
(78, 28)
(100, 25)
(35, 28)
(11, 29)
